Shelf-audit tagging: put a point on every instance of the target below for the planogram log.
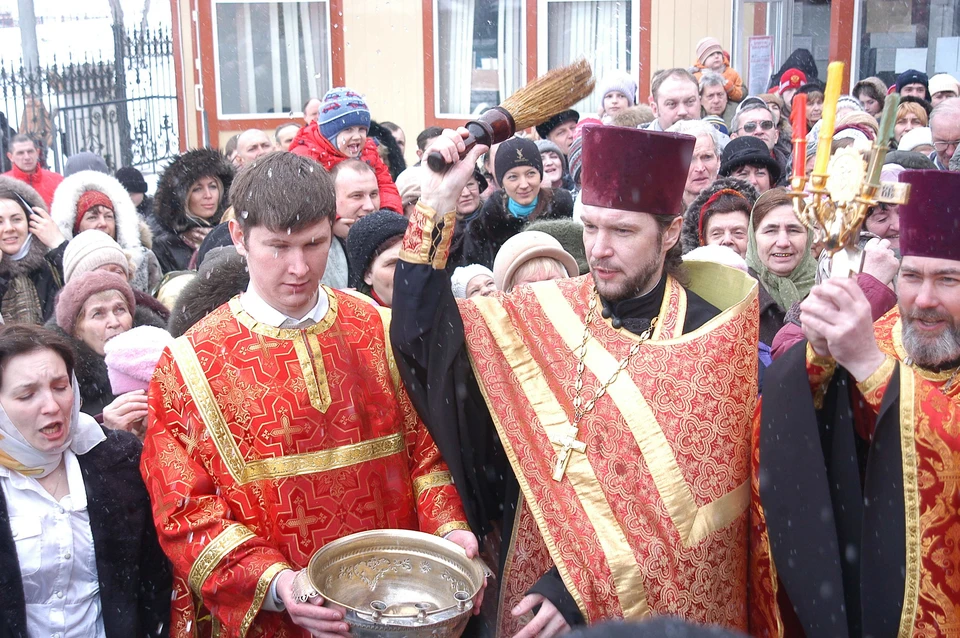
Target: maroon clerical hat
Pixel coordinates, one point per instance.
(930, 220)
(633, 169)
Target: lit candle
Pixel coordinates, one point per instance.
(829, 119)
(799, 123)
(890, 106)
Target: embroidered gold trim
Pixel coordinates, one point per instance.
(448, 224)
(419, 236)
(270, 468)
(879, 377)
(310, 357)
(286, 334)
(386, 315)
(263, 586)
(911, 502)
(434, 479)
(626, 572)
(446, 528)
(508, 561)
(692, 525)
(664, 308)
(226, 541)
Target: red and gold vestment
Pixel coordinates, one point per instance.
(652, 517)
(264, 444)
(929, 448)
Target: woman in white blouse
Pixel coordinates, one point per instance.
(78, 550)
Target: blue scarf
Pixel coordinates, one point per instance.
(519, 210)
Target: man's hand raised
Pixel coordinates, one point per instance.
(440, 191)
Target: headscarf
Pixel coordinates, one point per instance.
(786, 291)
(18, 455)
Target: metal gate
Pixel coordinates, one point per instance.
(124, 110)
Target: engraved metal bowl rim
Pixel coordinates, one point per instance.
(434, 544)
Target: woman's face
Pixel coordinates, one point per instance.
(38, 398)
(775, 111)
(884, 222)
(522, 184)
(781, 241)
(906, 122)
(552, 169)
(469, 200)
(814, 111)
(870, 105)
(102, 317)
(482, 286)
(204, 198)
(99, 218)
(14, 227)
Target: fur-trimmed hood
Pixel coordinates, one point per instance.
(221, 277)
(10, 186)
(64, 208)
(179, 176)
(690, 232)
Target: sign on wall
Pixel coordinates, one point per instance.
(760, 53)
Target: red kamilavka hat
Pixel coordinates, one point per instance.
(633, 169)
(930, 220)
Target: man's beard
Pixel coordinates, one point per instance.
(935, 350)
(645, 278)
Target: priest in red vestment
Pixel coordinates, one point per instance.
(278, 424)
(610, 413)
(859, 476)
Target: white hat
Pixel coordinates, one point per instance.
(916, 137)
(461, 278)
(943, 82)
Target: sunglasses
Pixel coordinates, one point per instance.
(750, 127)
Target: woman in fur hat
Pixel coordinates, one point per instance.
(192, 196)
(92, 200)
(31, 255)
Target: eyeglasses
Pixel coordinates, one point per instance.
(750, 127)
(942, 146)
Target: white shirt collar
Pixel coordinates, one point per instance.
(76, 499)
(264, 313)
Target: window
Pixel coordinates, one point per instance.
(922, 35)
(602, 31)
(271, 56)
(479, 51)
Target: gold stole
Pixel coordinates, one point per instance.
(643, 485)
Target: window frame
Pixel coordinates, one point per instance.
(221, 116)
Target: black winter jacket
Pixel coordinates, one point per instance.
(135, 576)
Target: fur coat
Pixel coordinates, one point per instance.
(131, 232)
(170, 218)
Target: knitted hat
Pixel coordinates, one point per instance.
(913, 138)
(90, 250)
(92, 198)
(849, 102)
(82, 287)
(943, 82)
(340, 109)
(717, 122)
(751, 150)
(85, 161)
(132, 179)
(619, 81)
(569, 233)
(706, 47)
(545, 128)
(523, 247)
(408, 183)
(517, 151)
(575, 159)
(462, 276)
(791, 79)
(912, 76)
(365, 238)
(481, 180)
(133, 355)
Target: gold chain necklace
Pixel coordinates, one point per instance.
(569, 442)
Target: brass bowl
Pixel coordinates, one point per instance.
(395, 583)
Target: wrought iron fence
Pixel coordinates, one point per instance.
(124, 110)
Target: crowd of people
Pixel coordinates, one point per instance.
(604, 355)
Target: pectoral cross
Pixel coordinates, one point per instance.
(568, 445)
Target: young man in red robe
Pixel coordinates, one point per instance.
(278, 424)
(858, 476)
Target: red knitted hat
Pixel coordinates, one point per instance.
(88, 200)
